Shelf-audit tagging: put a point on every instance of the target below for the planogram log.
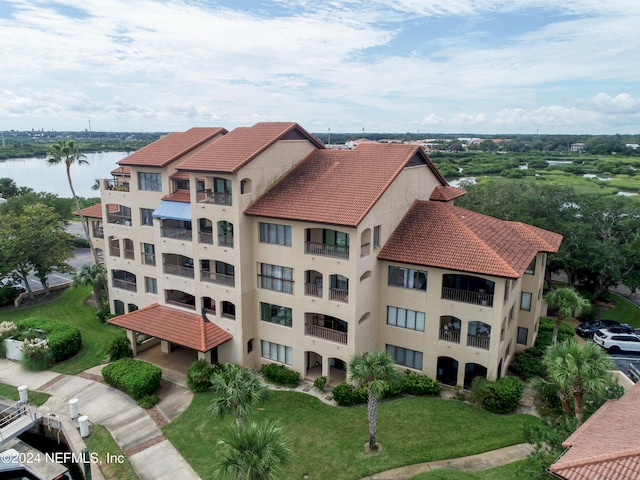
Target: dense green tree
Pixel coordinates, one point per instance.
(62, 206)
(253, 452)
(236, 390)
(374, 370)
(569, 304)
(8, 188)
(93, 275)
(578, 368)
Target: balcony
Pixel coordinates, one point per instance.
(125, 284)
(225, 240)
(452, 336)
(313, 290)
(98, 232)
(467, 296)
(327, 250)
(205, 237)
(339, 295)
(478, 341)
(116, 184)
(181, 271)
(217, 198)
(218, 278)
(325, 333)
(119, 219)
(176, 233)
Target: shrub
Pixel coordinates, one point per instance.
(36, 355)
(199, 376)
(320, 383)
(8, 293)
(478, 390)
(417, 384)
(528, 364)
(104, 314)
(64, 340)
(503, 396)
(136, 378)
(346, 395)
(149, 401)
(79, 242)
(120, 348)
(280, 374)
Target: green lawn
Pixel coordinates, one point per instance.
(70, 308)
(11, 393)
(512, 471)
(116, 465)
(625, 311)
(328, 441)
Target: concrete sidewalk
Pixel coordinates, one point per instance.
(135, 430)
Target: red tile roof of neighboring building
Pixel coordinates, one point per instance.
(607, 445)
(179, 176)
(126, 171)
(94, 211)
(338, 187)
(171, 147)
(442, 235)
(446, 193)
(243, 144)
(173, 325)
(179, 196)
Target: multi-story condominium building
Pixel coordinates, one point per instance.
(259, 245)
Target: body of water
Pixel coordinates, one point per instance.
(37, 174)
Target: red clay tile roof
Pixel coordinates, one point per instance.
(442, 235)
(126, 171)
(242, 144)
(179, 196)
(179, 176)
(94, 211)
(606, 446)
(446, 193)
(338, 187)
(171, 147)
(173, 325)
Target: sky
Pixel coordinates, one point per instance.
(431, 66)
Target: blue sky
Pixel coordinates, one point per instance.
(432, 66)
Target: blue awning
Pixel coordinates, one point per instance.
(173, 210)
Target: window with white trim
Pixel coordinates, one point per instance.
(150, 181)
(405, 357)
(277, 352)
(525, 301)
(407, 278)
(275, 234)
(402, 317)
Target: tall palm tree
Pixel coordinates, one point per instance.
(253, 452)
(569, 304)
(237, 390)
(578, 368)
(375, 370)
(95, 276)
(66, 151)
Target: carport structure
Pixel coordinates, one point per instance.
(173, 327)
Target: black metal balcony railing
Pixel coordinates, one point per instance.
(327, 250)
(119, 219)
(450, 335)
(225, 240)
(125, 284)
(205, 237)
(466, 296)
(219, 198)
(313, 290)
(176, 233)
(339, 295)
(179, 270)
(219, 278)
(478, 341)
(325, 333)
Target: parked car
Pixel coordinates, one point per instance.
(616, 342)
(587, 329)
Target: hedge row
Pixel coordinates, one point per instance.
(64, 340)
(501, 396)
(280, 374)
(136, 378)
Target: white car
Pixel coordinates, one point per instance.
(615, 342)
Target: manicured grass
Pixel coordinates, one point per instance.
(116, 465)
(625, 311)
(328, 441)
(70, 308)
(11, 393)
(512, 471)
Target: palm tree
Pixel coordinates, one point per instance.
(66, 151)
(238, 389)
(569, 304)
(375, 370)
(578, 368)
(95, 276)
(253, 452)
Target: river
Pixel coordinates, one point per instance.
(37, 174)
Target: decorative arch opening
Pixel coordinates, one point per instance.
(447, 372)
(471, 371)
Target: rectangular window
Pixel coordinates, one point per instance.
(277, 352)
(525, 301)
(151, 285)
(408, 278)
(148, 254)
(522, 335)
(531, 269)
(275, 234)
(376, 236)
(401, 317)
(405, 357)
(275, 277)
(150, 181)
(275, 314)
(146, 216)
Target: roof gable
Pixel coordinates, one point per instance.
(242, 145)
(442, 235)
(336, 187)
(171, 147)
